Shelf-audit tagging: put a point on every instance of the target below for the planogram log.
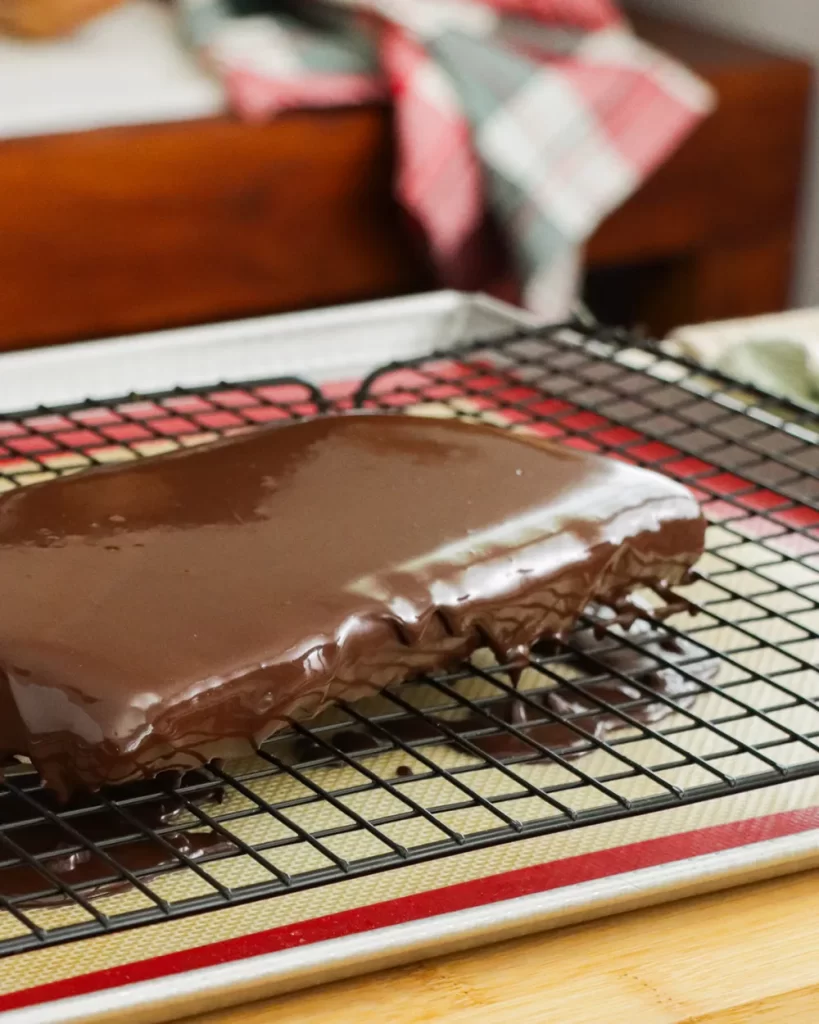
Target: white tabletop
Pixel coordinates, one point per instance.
(126, 67)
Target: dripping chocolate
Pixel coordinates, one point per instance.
(159, 614)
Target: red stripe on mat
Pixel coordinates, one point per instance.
(462, 896)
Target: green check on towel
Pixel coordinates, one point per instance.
(777, 353)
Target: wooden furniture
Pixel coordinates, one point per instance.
(715, 227)
(729, 958)
(131, 229)
(48, 18)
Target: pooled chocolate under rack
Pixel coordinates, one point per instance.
(563, 721)
(77, 859)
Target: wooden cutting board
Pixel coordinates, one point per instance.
(746, 956)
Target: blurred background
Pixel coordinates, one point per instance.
(164, 164)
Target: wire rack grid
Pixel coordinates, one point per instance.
(418, 773)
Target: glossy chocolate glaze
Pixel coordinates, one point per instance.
(165, 612)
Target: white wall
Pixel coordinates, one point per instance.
(791, 25)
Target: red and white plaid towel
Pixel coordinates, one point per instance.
(520, 123)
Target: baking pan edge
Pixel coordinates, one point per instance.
(213, 988)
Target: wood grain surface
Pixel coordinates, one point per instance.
(153, 226)
(742, 956)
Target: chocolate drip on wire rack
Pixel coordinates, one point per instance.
(695, 735)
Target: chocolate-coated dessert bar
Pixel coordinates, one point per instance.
(161, 613)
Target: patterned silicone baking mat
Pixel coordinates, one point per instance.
(315, 815)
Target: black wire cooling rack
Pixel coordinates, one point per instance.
(419, 773)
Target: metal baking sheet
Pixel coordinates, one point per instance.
(476, 897)
(343, 343)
